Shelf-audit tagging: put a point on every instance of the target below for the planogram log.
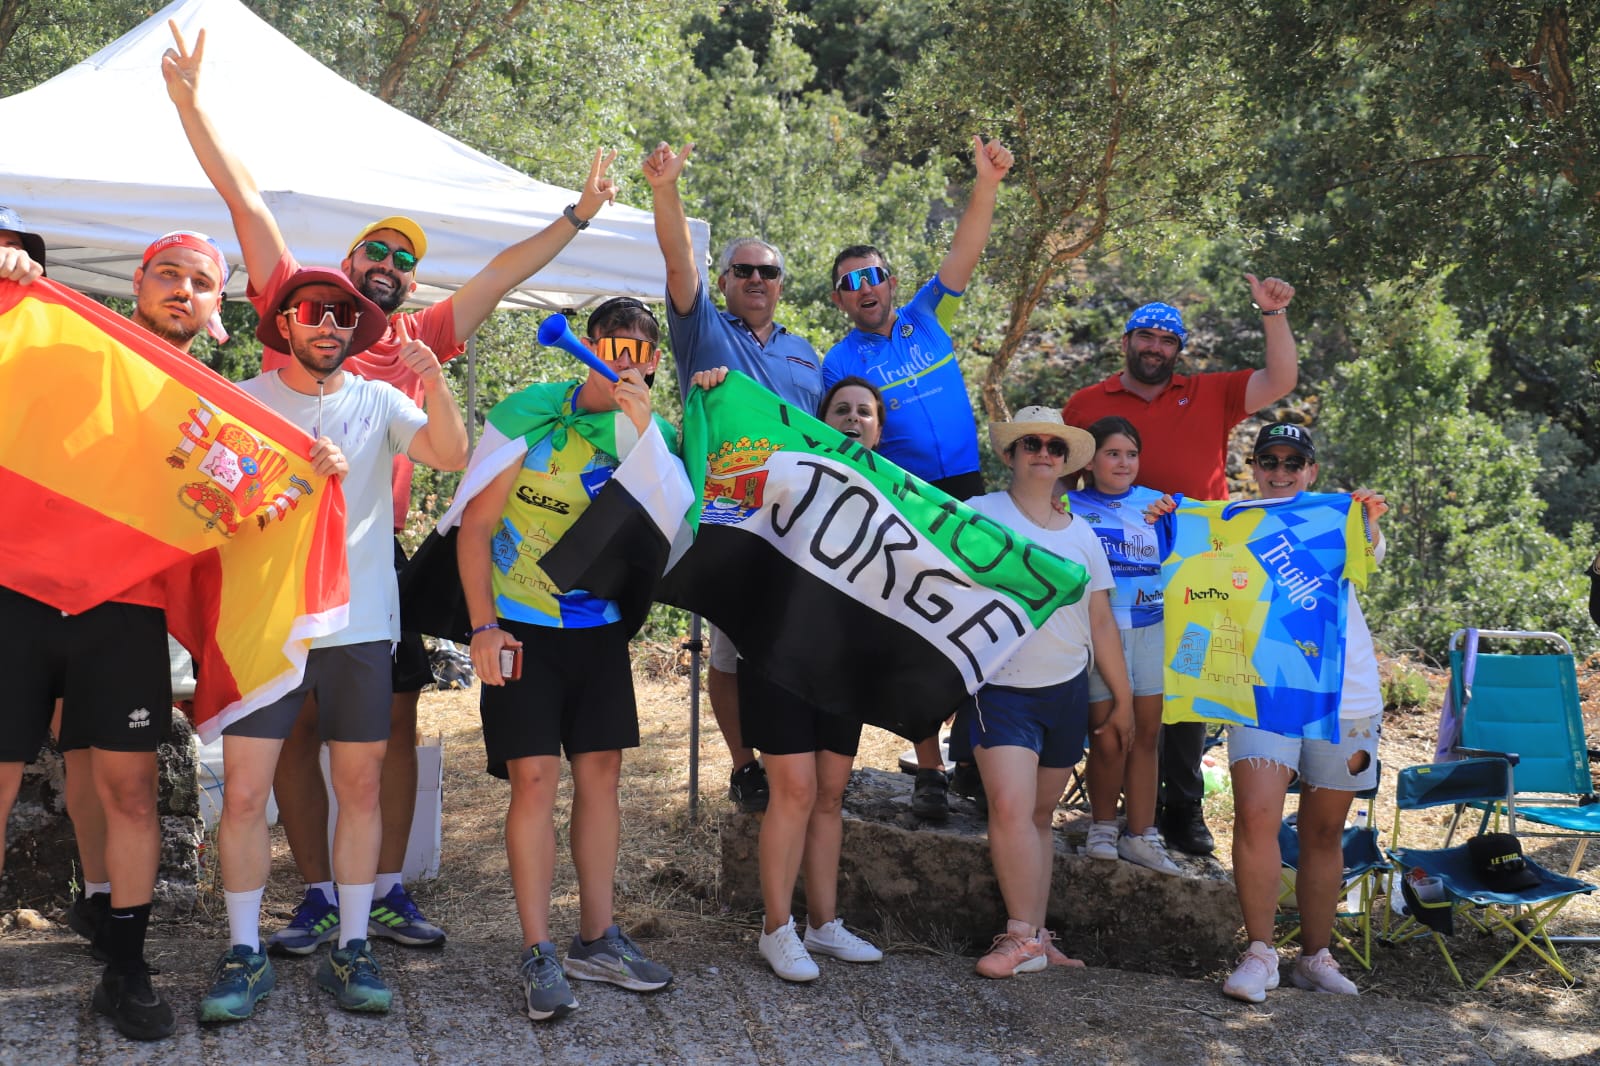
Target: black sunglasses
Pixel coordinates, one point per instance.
(1292, 463)
(377, 251)
(1054, 446)
(768, 271)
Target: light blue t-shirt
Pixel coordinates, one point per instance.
(928, 428)
(1134, 548)
(707, 338)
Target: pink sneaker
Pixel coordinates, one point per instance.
(1017, 950)
(1055, 955)
(1320, 973)
(1256, 974)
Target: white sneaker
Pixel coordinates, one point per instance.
(786, 955)
(1256, 974)
(1102, 842)
(1320, 973)
(1147, 850)
(835, 940)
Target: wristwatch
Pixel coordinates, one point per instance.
(571, 214)
(1265, 312)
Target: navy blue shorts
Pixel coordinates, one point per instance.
(1052, 721)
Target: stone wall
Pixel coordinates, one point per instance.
(911, 881)
(42, 855)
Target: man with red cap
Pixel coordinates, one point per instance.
(105, 672)
(318, 318)
(382, 263)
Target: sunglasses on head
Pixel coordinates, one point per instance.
(1054, 446)
(768, 271)
(616, 350)
(312, 312)
(856, 280)
(1292, 463)
(377, 252)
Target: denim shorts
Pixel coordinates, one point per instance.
(1051, 721)
(1318, 763)
(1142, 650)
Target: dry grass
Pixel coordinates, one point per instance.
(669, 868)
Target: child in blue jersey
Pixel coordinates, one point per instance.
(1113, 506)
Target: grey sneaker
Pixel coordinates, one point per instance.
(835, 940)
(1148, 851)
(617, 959)
(544, 986)
(1102, 842)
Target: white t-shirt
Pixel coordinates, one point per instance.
(1362, 694)
(371, 422)
(1059, 650)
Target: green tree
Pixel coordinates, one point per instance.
(1123, 117)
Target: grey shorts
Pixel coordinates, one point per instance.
(1318, 763)
(1142, 650)
(724, 656)
(352, 685)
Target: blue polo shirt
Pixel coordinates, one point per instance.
(707, 338)
(929, 428)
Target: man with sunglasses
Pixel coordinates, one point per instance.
(382, 262)
(318, 318)
(1186, 422)
(96, 669)
(746, 338)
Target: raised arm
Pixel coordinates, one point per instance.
(477, 299)
(662, 168)
(993, 162)
(1280, 372)
(257, 230)
(442, 443)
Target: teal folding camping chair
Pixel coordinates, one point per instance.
(1466, 890)
(1524, 707)
(1364, 869)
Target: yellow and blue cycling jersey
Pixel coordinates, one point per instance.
(553, 487)
(1255, 611)
(929, 428)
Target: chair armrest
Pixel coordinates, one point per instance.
(1484, 753)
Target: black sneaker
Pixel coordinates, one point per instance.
(966, 781)
(134, 1006)
(748, 787)
(87, 917)
(929, 798)
(1184, 827)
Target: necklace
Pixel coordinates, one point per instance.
(1049, 512)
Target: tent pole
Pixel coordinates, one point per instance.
(694, 646)
(472, 392)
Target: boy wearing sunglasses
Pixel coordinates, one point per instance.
(746, 338)
(319, 319)
(382, 263)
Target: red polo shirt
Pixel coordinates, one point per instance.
(1185, 429)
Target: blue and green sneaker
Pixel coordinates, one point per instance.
(243, 977)
(315, 922)
(351, 974)
(396, 918)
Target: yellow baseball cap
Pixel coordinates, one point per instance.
(400, 224)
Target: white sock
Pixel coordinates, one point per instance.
(355, 905)
(325, 887)
(386, 884)
(244, 917)
(96, 888)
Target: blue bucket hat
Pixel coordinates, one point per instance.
(32, 243)
(1159, 316)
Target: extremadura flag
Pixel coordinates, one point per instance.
(857, 586)
(131, 472)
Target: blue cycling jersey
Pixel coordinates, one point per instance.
(1133, 547)
(929, 428)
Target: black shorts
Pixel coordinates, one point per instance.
(961, 486)
(575, 693)
(412, 669)
(775, 721)
(107, 665)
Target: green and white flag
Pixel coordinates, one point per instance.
(855, 585)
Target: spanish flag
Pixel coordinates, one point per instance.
(131, 472)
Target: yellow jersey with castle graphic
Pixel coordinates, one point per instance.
(1256, 611)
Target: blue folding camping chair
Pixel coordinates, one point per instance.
(1466, 892)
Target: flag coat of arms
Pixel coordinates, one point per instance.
(131, 472)
(857, 586)
(1256, 600)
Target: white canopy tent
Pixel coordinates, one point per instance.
(98, 165)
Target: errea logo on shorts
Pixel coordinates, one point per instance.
(138, 719)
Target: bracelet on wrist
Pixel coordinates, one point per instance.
(570, 213)
(485, 628)
(1268, 314)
